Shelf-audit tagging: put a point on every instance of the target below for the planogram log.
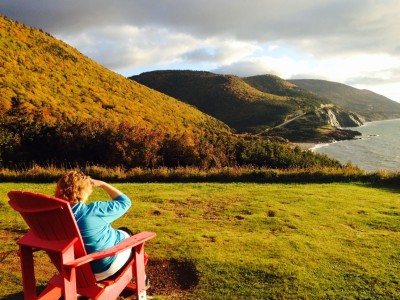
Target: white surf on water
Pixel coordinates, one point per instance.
(377, 149)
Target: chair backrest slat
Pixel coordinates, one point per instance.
(51, 219)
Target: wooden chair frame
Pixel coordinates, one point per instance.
(52, 228)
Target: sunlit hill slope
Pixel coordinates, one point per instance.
(41, 73)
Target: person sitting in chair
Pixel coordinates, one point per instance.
(94, 219)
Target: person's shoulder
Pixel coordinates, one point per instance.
(78, 208)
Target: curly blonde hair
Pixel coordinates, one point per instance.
(72, 187)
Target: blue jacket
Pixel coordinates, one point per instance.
(94, 222)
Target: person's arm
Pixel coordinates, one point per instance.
(111, 191)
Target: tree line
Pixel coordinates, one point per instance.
(27, 138)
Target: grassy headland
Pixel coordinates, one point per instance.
(252, 241)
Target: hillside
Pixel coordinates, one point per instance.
(275, 85)
(319, 126)
(256, 104)
(321, 123)
(60, 108)
(227, 98)
(370, 105)
(42, 74)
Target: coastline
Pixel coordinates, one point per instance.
(376, 148)
(340, 134)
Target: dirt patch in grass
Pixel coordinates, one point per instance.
(171, 277)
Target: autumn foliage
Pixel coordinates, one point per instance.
(28, 138)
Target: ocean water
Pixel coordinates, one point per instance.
(377, 149)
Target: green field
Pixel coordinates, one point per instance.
(252, 241)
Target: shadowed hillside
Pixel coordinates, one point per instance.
(364, 102)
(255, 104)
(226, 97)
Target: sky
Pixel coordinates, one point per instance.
(354, 42)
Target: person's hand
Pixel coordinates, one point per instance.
(112, 191)
(96, 183)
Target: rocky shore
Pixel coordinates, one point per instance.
(329, 137)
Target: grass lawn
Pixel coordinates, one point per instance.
(252, 241)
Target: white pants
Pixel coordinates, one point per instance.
(118, 263)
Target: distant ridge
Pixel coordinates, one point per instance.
(275, 85)
(370, 105)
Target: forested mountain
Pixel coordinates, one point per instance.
(254, 104)
(238, 102)
(226, 97)
(370, 105)
(44, 75)
(59, 107)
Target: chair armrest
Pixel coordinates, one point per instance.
(130, 242)
(31, 240)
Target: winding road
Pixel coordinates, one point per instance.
(296, 117)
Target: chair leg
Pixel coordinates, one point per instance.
(51, 292)
(131, 287)
(28, 272)
(140, 273)
(69, 276)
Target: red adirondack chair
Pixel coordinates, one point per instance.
(52, 228)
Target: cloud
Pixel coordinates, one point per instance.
(282, 66)
(128, 47)
(124, 47)
(320, 26)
